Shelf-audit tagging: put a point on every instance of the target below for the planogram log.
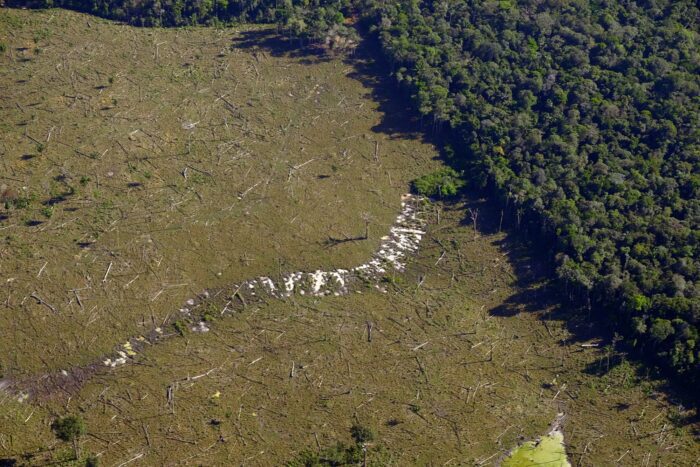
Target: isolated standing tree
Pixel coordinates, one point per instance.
(474, 215)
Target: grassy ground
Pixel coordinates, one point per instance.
(155, 163)
(460, 366)
(446, 378)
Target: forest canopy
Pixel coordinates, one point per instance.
(582, 116)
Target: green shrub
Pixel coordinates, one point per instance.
(180, 326)
(361, 434)
(442, 183)
(69, 428)
(21, 202)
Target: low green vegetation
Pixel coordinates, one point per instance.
(442, 183)
(180, 327)
(70, 429)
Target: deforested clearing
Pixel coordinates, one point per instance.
(143, 169)
(151, 164)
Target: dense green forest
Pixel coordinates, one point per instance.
(585, 116)
(581, 117)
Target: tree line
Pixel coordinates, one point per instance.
(584, 116)
(581, 116)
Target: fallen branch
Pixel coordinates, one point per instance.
(139, 456)
(420, 346)
(200, 170)
(109, 268)
(42, 269)
(42, 302)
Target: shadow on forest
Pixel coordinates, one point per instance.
(270, 41)
(399, 120)
(538, 291)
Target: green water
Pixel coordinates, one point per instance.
(547, 451)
